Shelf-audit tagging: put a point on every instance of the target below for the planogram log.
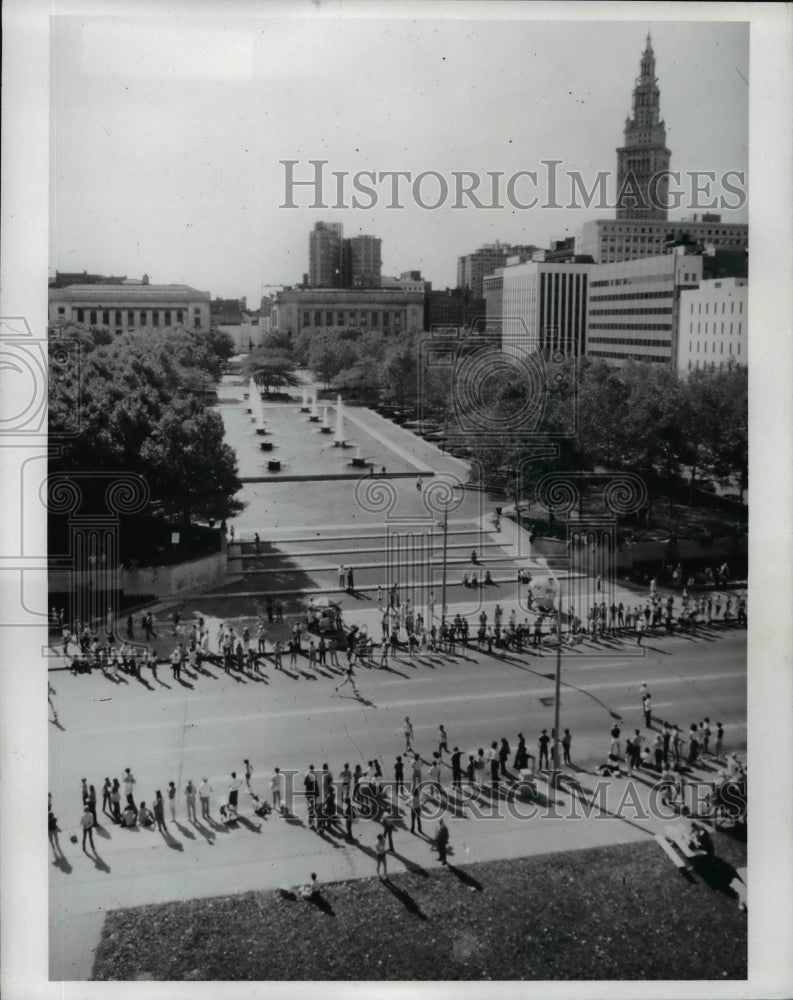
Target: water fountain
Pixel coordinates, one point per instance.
(358, 462)
(314, 418)
(326, 428)
(249, 395)
(338, 437)
(304, 404)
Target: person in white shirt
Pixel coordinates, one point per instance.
(276, 788)
(204, 792)
(234, 788)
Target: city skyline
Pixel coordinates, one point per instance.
(199, 138)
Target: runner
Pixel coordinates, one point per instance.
(349, 678)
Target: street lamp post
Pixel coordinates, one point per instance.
(443, 581)
(557, 695)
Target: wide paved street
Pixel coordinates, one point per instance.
(207, 725)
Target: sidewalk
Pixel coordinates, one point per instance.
(280, 852)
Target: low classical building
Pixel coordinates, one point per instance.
(130, 306)
(326, 309)
(714, 323)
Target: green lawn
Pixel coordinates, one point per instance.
(609, 913)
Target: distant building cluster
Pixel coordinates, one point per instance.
(637, 287)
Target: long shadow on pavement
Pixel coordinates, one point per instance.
(205, 832)
(185, 832)
(466, 879)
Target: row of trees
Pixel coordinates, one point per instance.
(142, 403)
(642, 417)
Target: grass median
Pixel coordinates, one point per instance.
(620, 912)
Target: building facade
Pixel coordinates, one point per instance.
(610, 240)
(390, 311)
(634, 307)
(365, 261)
(643, 158)
(473, 268)
(544, 307)
(130, 306)
(325, 263)
(714, 324)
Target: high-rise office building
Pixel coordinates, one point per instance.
(325, 265)
(364, 261)
(641, 183)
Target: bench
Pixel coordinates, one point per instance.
(675, 858)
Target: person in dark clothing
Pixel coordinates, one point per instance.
(521, 754)
(442, 841)
(399, 776)
(542, 743)
(159, 812)
(415, 809)
(567, 740)
(456, 768)
(503, 755)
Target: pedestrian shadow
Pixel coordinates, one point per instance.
(656, 649)
(102, 831)
(58, 724)
(205, 832)
(292, 819)
(465, 878)
(308, 676)
(217, 827)
(322, 904)
(171, 841)
(100, 864)
(162, 683)
(185, 684)
(62, 864)
(233, 675)
(145, 683)
(365, 701)
(404, 898)
(412, 866)
(185, 832)
(295, 677)
(391, 670)
(253, 827)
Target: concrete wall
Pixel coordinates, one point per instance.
(161, 581)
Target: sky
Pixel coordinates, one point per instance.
(167, 134)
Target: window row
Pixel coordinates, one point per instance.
(705, 348)
(353, 317)
(617, 296)
(630, 341)
(638, 311)
(721, 326)
(145, 317)
(663, 358)
(716, 308)
(630, 326)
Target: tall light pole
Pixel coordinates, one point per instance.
(557, 696)
(443, 581)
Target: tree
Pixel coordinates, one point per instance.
(271, 371)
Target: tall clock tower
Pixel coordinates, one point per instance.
(642, 194)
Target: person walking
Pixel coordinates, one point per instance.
(276, 789)
(503, 756)
(129, 783)
(718, 749)
(542, 743)
(159, 812)
(493, 761)
(53, 831)
(443, 743)
(115, 801)
(567, 741)
(204, 793)
(399, 776)
(388, 829)
(349, 678)
(442, 841)
(457, 772)
(87, 823)
(408, 731)
(380, 856)
(415, 809)
(234, 789)
(106, 790)
(172, 800)
(648, 712)
(521, 754)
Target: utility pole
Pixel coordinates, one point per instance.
(443, 582)
(557, 696)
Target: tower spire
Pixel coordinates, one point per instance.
(643, 158)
